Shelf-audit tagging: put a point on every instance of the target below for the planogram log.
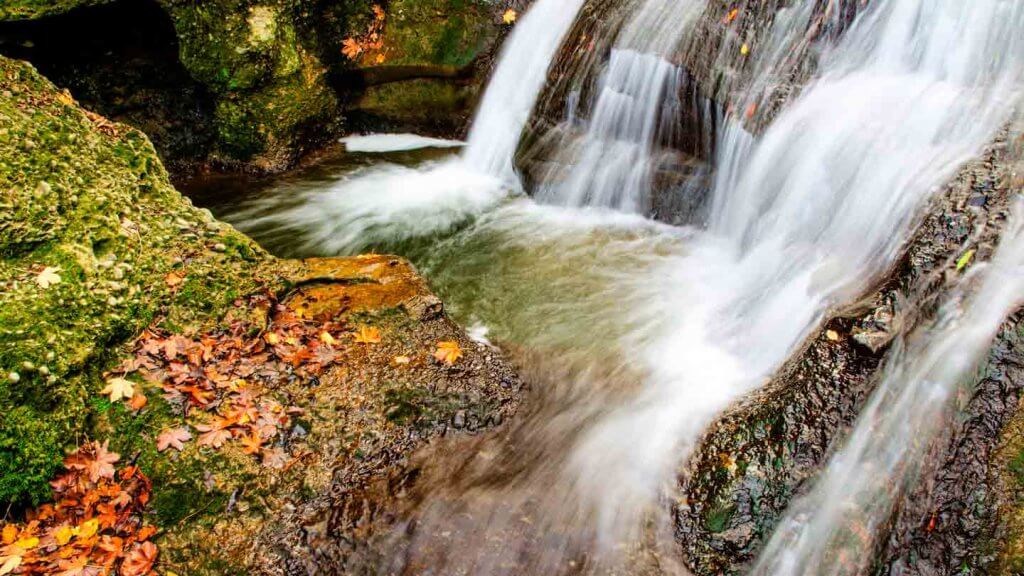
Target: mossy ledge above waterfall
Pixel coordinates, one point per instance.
(100, 254)
(256, 84)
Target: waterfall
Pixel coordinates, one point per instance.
(611, 165)
(804, 218)
(832, 530)
(513, 89)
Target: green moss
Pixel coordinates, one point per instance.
(95, 206)
(718, 518)
(31, 9)
(445, 32)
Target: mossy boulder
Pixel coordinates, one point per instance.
(272, 97)
(89, 229)
(98, 252)
(31, 9)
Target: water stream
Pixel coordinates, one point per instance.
(636, 334)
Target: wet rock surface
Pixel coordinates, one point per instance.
(761, 452)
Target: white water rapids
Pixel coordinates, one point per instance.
(646, 332)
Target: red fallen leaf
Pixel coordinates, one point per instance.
(138, 402)
(214, 435)
(139, 560)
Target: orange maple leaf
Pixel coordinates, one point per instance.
(448, 352)
(351, 48)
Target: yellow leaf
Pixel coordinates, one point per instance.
(63, 535)
(744, 50)
(9, 566)
(272, 338)
(27, 543)
(9, 534)
(509, 16)
(732, 15)
(88, 529)
(326, 338)
(448, 352)
(367, 335)
(964, 260)
(118, 388)
(380, 59)
(832, 335)
(48, 277)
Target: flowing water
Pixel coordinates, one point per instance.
(635, 334)
(834, 528)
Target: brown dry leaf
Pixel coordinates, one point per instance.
(173, 438)
(351, 48)
(448, 352)
(367, 335)
(138, 401)
(9, 534)
(140, 560)
(174, 279)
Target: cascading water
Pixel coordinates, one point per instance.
(662, 328)
(833, 529)
(517, 81)
(612, 164)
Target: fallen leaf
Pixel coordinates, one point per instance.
(367, 335)
(252, 443)
(9, 534)
(378, 12)
(48, 277)
(272, 338)
(102, 464)
(379, 59)
(63, 535)
(138, 401)
(448, 352)
(326, 338)
(27, 543)
(509, 16)
(745, 49)
(118, 388)
(10, 564)
(732, 15)
(88, 529)
(174, 279)
(965, 260)
(173, 438)
(351, 48)
(140, 560)
(832, 335)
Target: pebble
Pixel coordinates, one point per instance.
(14, 377)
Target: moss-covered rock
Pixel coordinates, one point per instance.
(96, 248)
(272, 97)
(31, 9)
(90, 227)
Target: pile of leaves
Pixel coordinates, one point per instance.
(94, 527)
(369, 46)
(225, 378)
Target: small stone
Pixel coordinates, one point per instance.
(14, 377)
(28, 365)
(459, 421)
(44, 370)
(832, 335)
(219, 247)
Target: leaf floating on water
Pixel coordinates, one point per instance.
(509, 16)
(965, 260)
(732, 15)
(448, 352)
